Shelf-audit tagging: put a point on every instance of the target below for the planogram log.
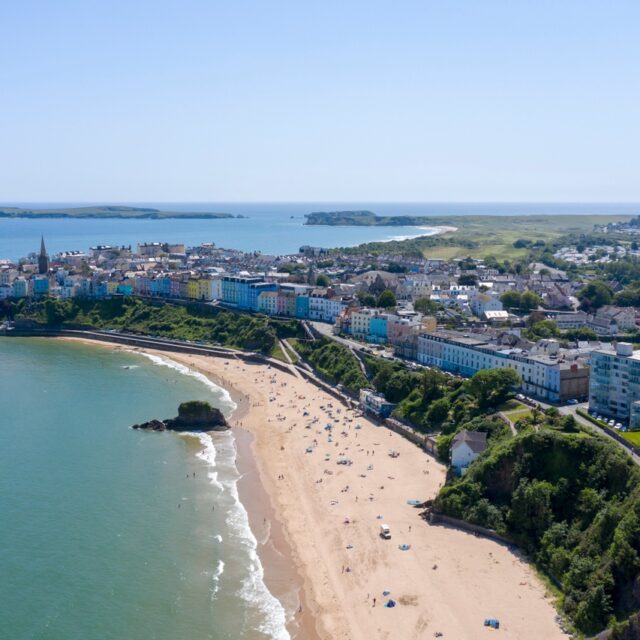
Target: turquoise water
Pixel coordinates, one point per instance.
(272, 228)
(93, 544)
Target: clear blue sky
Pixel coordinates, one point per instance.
(415, 101)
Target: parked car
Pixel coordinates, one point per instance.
(385, 532)
(572, 401)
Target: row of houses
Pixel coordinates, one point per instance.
(609, 320)
(382, 327)
(547, 372)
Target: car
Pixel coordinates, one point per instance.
(572, 401)
(618, 425)
(385, 532)
(611, 423)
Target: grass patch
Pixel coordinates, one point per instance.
(514, 416)
(632, 436)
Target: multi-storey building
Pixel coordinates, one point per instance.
(323, 306)
(615, 383)
(550, 376)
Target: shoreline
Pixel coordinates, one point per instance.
(281, 572)
(448, 581)
(279, 576)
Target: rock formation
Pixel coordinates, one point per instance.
(192, 416)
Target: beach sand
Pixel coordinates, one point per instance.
(448, 581)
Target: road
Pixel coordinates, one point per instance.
(571, 410)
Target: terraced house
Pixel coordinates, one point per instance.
(549, 374)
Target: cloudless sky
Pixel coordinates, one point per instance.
(202, 100)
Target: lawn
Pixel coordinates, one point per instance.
(632, 436)
(515, 410)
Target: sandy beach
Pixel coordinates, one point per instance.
(446, 583)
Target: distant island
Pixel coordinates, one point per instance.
(364, 219)
(114, 211)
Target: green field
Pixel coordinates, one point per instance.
(632, 436)
(483, 236)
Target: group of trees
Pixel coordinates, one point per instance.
(192, 322)
(594, 295)
(426, 306)
(516, 301)
(334, 361)
(385, 300)
(572, 501)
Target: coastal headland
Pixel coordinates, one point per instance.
(445, 581)
(108, 211)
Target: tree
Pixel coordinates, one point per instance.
(595, 295)
(438, 411)
(491, 387)
(543, 329)
(426, 306)
(430, 384)
(467, 280)
(531, 510)
(628, 297)
(529, 300)
(322, 280)
(394, 267)
(387, 299)
(580, 333)
(510, 299)
(367, 299)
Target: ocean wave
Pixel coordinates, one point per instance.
(215, 580)
(254, 591)
(184, 370)
(208, 454)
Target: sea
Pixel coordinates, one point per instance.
(109, 532)
(271, 228)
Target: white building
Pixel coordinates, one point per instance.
(466, 447)
(615, 381)
(324, 308)
(548, 374)
(482, 302)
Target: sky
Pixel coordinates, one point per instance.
(448, 100)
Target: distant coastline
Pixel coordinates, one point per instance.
(363, 219)
(115, 211)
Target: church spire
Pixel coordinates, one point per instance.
(43, 258)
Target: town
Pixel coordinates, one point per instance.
(567, 341)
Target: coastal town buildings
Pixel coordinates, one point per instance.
(549, 373)
(614, 389)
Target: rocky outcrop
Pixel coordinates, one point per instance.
(192, 416)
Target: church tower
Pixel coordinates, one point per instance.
(43, 259)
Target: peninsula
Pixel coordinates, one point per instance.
(109, 211)
(363, 219)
